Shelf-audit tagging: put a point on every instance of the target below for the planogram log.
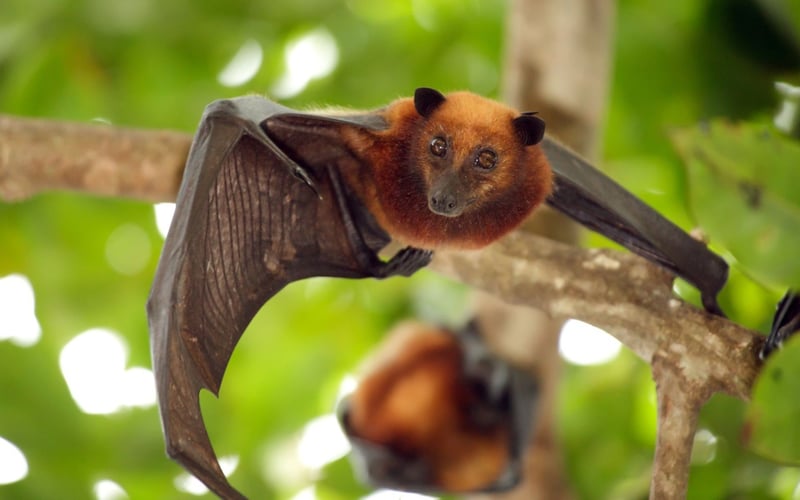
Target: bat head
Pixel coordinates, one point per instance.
(469, 170)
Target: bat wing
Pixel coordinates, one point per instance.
(248, 221)
(583, 193)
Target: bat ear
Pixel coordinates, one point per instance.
(426, 100)
(529, 128)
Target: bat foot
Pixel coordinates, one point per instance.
(710, 304)
(405, 262)
(785, 323)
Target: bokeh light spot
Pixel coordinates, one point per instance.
(704, 449)
(313, 55)
(164, 213)
(128, 249)
(322, 442)
(583, 344)
(13, 464)
(106, 489)
(307, 493)
(243, 66)
(187, 483)
(93, 365)
(17, 308)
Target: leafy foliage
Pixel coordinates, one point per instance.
(772, 408)
(156, 64)
(742, 189)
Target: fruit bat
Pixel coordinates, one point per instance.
(271, 195)
(436, 412)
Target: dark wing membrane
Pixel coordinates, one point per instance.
(248, 221)
(583, 193)
(317, 139)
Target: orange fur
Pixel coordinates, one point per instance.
(395, 175)
(414, 399)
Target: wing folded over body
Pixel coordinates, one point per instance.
(248, 221)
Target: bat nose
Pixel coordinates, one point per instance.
(444, 203)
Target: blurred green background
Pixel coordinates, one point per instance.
(156, 64)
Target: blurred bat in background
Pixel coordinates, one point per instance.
(436, 412)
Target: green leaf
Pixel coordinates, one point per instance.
(743, 190)
(771, 423)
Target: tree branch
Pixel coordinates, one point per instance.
(679, 401)
(45, 155)
(621, 293)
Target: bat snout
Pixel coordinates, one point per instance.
(445, 204)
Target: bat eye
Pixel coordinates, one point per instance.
(439, 147)
(486, 159)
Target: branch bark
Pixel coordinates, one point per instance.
(46, 155)
(621, 293)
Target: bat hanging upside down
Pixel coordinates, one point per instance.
(271, 196)
(435, 411)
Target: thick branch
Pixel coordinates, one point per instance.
(45, 155)
(618, 292)
(679, 401)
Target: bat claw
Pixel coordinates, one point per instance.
(304, 176)
(406, 262)
(785, 323)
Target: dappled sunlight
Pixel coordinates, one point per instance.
(583, 344)
(307, 493)
(704, 450)
(13, 464)
(128, 249)
(292, 462)
(280, 465)
(187, 483)
(347, 386)
(17, 308)
(93, 365)
(106, 489)
(322, 442)
(243, 66)
(313, 55)
(163, 213)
